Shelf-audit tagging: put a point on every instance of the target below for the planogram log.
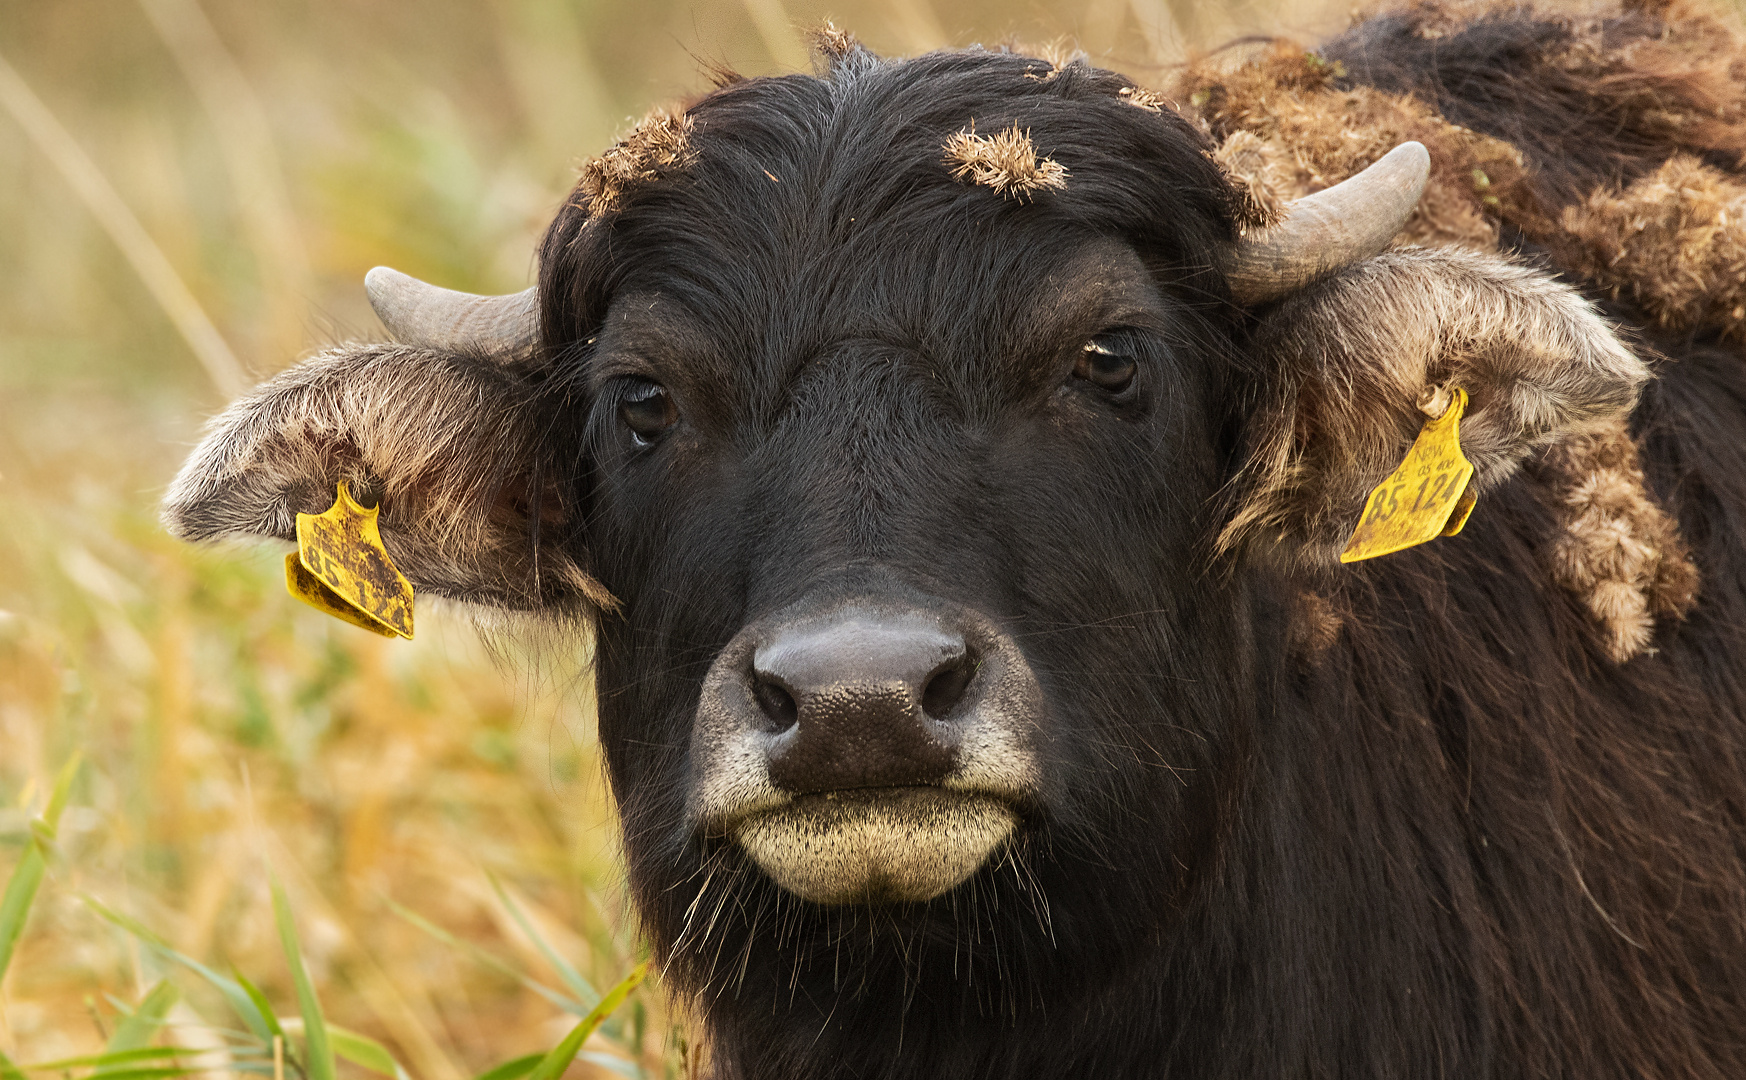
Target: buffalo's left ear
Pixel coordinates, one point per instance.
(1351, 357)
(451, 431)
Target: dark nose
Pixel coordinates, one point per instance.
(861, 700)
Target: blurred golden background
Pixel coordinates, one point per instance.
(190, 194)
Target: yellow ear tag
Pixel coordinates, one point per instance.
(1425, 498)
(341, 567)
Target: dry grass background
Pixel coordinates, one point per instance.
(190, 193)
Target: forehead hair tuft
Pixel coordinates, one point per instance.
(1006, 162)
(659, 145)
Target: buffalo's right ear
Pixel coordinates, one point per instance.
(478, 491)
(1352, 358)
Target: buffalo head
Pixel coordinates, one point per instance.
(929, 447)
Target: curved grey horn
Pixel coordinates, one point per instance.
(1321, 233)
(506, 328)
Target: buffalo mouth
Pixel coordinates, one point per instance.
(876, 845)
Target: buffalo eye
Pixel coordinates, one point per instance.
(648, 410)
(1106, 362)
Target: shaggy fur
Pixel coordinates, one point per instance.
(443, 442)
(1599, 95)
(1474, 809)
(1355, 353)
(1673, 243)
(1616, 548)
(1261, 172)
(1287, 127)
(1292, 121)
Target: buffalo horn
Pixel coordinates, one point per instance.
(1331, 229)
(506, 328)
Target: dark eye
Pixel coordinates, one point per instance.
(648, 410)
(1106, 362)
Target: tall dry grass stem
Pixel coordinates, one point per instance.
(137, 246)
(251, 157)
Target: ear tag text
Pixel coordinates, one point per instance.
(341, 567)
(1426, 497)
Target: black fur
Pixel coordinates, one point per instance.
(1461, 842)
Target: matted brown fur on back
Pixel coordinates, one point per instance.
(1608, 136)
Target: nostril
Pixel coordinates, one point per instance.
(776, 703)
(945, 687)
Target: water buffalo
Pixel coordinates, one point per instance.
(952, 459)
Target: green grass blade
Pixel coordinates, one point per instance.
(318, 1056)
(132, 926)
(553, 1064)
(135, 1032)
(451, 940)
(558, 1059)
(166, 1072)
(15, 904)
(9, 1071)
(238, 999)
(51, 815)
(365, 1051)
(480, 956)
(579, 986)
(119, 1058)
(268, 1018)
(21, 888)
(514, 1069)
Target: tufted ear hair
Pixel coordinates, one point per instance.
(1351, 356)
(477, 503)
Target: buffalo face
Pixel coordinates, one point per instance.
(885, 571)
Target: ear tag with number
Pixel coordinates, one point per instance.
(341, 567)
(1426, 497)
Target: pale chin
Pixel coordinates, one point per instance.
(888, 845)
